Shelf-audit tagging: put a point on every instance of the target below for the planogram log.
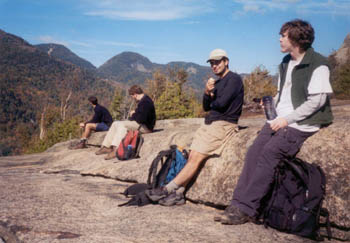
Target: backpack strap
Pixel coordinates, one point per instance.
(276, 181)
(324, 212)
(161, 177)
(139, 145)
(298, 166)
(152, 173)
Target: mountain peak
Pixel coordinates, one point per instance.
(61, 52)
(347, 40)
(343, 54)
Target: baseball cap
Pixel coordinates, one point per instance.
(217, 54)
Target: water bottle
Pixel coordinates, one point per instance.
(269, 107)
(128, 151)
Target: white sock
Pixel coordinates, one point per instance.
(171, 186)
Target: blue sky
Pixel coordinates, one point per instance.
(175, 30)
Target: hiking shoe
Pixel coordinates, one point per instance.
(80, 145)
(229, 209)
(111, 155)
(157, 193)
(103, 150)
(235, 218)
(219, 216)
(174, 198)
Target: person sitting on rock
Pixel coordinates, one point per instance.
(101, 121)
(302, 107)
(223, 99)
(144, 116)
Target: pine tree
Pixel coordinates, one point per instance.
(257, 84)
(116, 105)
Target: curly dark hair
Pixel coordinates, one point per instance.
(300, 33)
(135, 89)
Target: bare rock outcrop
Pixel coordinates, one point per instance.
(215, 183)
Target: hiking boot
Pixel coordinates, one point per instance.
(174, 198)
(111, 155)
(80, 145)
(103, 150)
(229, 209)
(219, 216)
(157, 193)
(235, 218)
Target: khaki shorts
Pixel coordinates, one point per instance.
(211, 139)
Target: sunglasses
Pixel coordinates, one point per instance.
(215, 62)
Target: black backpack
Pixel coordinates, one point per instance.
(295, 202)
(157, 176)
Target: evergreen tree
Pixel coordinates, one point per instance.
(116, 107)
(257, 84)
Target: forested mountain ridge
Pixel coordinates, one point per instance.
(63, 53)
(133, 68)
(33, 82)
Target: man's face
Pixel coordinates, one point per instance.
(285, 43)
(218, 66)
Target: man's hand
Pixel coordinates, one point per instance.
(210, 86)
(131, 112)
(278, 123)
(82, 124)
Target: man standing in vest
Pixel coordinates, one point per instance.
(302, 106)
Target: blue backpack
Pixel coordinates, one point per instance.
(176, 165)
(163, 169)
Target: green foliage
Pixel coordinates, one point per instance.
(58, 132)
(257, 84)
(32, 81)
(156, 86)
(116, 105)
(171, 101)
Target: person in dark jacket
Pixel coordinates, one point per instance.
(303, 108)
(144, 115)
(223, 100)
(101, 121)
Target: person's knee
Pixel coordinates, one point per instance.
(90, 127)
(196, 158)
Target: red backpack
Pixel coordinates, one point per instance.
(130, 145)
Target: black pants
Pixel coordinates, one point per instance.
(261, 159)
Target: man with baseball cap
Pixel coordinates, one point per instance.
(223, 100)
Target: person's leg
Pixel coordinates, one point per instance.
(190, 169)
(181, 180)
(286, 142)
(251, 161)
(249, 167)
(208, 140)
(87, 130)
(122, 128)
(107, 141)
(101, 127)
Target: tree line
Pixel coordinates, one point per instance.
(172, 97)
